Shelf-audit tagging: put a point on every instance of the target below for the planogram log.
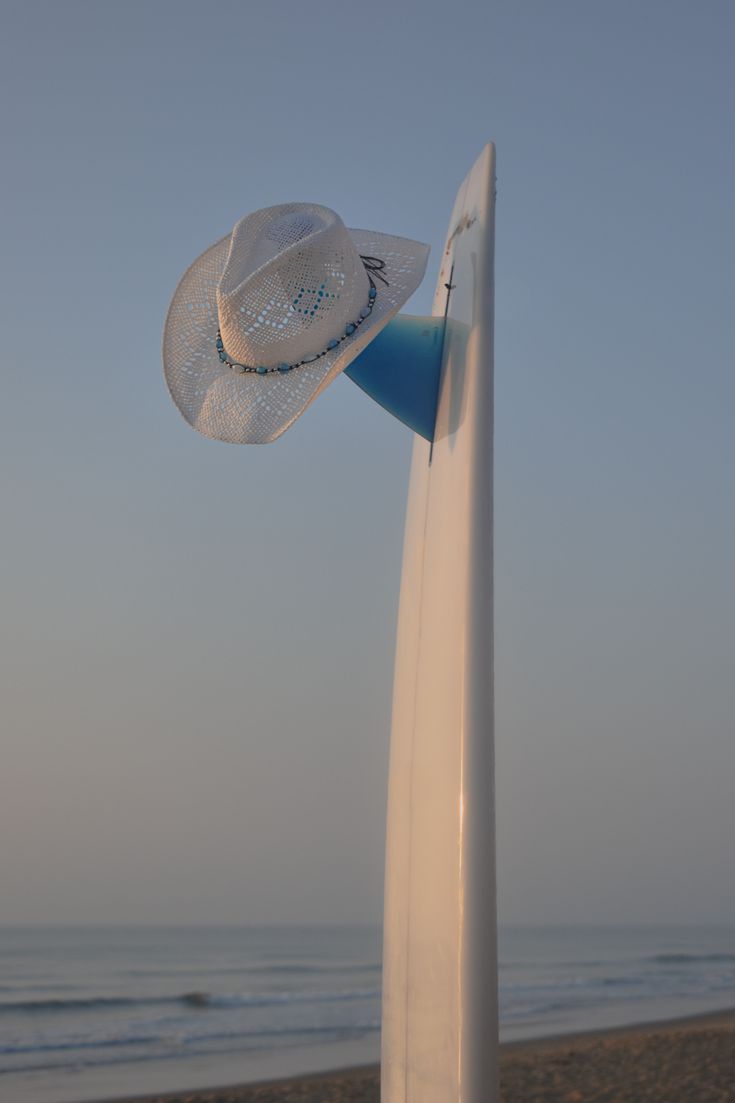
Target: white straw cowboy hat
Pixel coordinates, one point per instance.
(265, 319)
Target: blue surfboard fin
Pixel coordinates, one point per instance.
(400, 369)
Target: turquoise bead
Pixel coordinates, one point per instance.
(261, 370)
(350, 329)
(284, 367)
(364, 312)
(373, 292)
(333, 344)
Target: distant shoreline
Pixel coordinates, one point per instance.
(724, 1017)
(659, 1058)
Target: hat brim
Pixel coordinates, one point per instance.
(255, 409)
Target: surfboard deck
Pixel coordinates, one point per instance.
(440, 1018)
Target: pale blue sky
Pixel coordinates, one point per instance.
(198, 639)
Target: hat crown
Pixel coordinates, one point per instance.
(292, 281)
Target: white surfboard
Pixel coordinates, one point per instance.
(440, 1020)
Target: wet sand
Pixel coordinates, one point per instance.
(686, 1061)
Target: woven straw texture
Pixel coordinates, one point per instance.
(279, 288)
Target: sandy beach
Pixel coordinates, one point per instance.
(686, 1061)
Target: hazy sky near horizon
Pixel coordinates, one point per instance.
(197, 639)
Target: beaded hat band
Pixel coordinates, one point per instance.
(267, 317)
(372, 264)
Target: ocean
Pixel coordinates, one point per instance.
(92, 1013)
